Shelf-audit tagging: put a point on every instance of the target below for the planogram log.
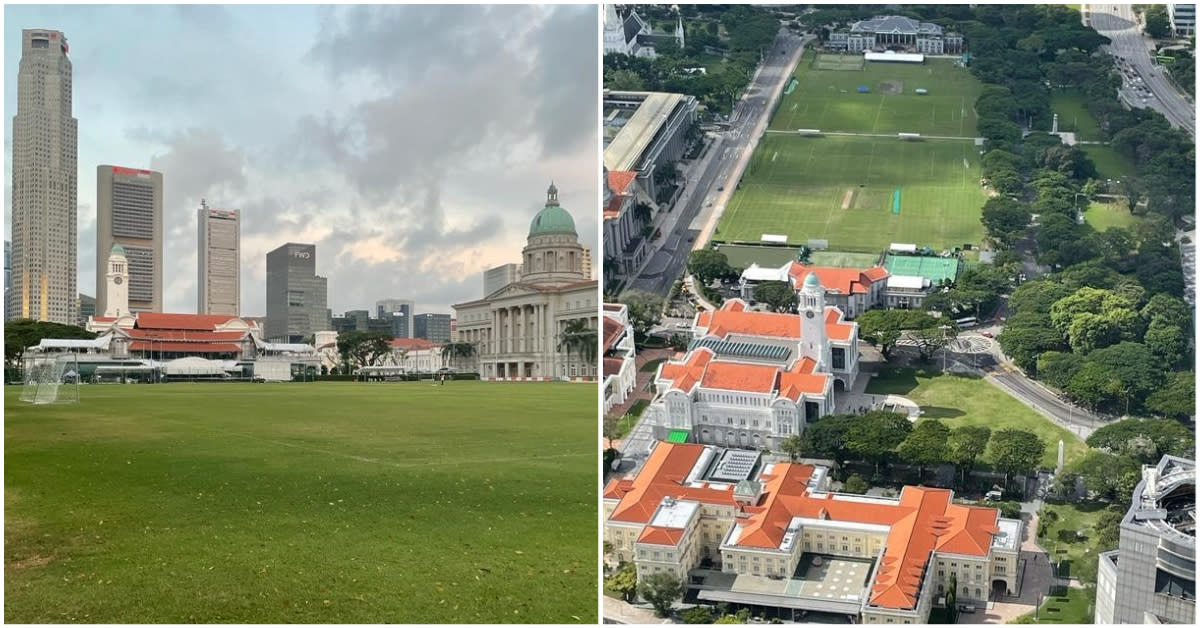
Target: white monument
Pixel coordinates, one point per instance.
(117, 299)
(1059, 468)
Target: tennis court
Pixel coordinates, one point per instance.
(935, 269)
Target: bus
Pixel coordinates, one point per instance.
(967, 323)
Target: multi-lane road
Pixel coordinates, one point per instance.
(715, 180)
(1117, 22)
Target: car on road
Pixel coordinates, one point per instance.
(721, 188)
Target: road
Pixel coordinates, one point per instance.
(1117, 22)
(711, 186)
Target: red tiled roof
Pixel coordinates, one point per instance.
(685, 375)
(612, 366)
(185, 335)
(701, 366)
(184, 347)
(756, 378)
(613, 209)
(158, 320)
(733, 318)
(839, 280)
(413, 344)
(619, 180)
(613, 330)
(661, 536)
(922, 521)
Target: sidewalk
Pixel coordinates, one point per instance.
(642, 380)
(625, 613)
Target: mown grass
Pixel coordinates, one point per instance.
(307, 503)
(958, 400)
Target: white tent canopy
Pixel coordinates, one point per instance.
(193, 366)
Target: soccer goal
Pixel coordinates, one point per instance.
(51, 379)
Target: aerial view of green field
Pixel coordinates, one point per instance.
(859, 193)
(302, 503)
(829, 100)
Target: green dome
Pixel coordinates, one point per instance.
(811, 281)
(552, 219)
(117, 249)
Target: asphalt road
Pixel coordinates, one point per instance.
(1116, 21)
(685, 224)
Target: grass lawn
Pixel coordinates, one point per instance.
(829, 100)
(302, 503)
(1073, 115)
(841, 189)
(1073, 608)
(1109, 163)
(958, 400)
(1102, 216)
(625, 424)
(1062, 542)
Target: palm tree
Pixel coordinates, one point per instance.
(578, 337)
(454, 351)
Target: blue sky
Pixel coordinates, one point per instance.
(412, 144)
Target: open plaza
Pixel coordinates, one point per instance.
(331, 502)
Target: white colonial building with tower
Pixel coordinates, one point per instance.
(517, 330)
(751, 379)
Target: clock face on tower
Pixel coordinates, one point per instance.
(118, 280)
(810, 314)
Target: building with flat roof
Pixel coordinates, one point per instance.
(496, 278)
(399, 312)
(129, 212)
(644, 131)
(219, 246)
(895, 32)
(45, 151)
(739, 528)
(752, 379)
(1151, 577)
(297, 297)
(432, 327)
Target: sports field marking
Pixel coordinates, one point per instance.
(848, 198)
(966, 164)
(774, 156)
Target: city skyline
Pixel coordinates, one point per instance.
(421, 210)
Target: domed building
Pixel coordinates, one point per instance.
(536, 328)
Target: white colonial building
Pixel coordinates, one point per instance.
(517, 331)
(633, 36)
(619, 363)
(751, 379)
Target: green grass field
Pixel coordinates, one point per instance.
(1073, 116)
(1102, 216)
(1109, 163)
(958, 400)
(797, 186)
(1062, 542)
(302, 503)
(828, 99)
(1073, 608)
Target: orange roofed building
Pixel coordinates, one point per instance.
(851, 290)
(752, 379)
(746, 530)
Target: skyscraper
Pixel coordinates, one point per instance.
(7, 279)
(432, 327)
(296, 296)
(129, 212)
(400, 312)
(218, 287)
(44, 182)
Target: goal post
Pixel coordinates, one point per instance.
(52, 378)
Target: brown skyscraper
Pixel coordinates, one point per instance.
(129, 212)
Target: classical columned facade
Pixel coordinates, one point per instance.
(517, 332)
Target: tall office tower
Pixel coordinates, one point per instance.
(129, 212)
(296, 295)
(44, 182)
(7, 280)
(500, 276)
(218, 286)
(432, 327)
(400, 312)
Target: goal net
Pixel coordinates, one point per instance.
(51, 379)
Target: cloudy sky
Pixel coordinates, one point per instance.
(412, 144)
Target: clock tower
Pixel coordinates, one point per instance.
(814, 341)
(117, 286)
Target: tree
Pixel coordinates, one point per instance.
(611, 428)
(778, 295)
(1158, 22)
(966, 444)
(1128, 437)
(876, 434)
(1005, 219)
(708, 265)
(698, 615)
(1016, 451)
(661, 590)
(624, 582)
(883, 328)
(925, 445)
(1102, 472)
(793, 446)
(952, 597)
(826, 437)
(364, 348)
(642, 212)
(1058, 367)
(19, 335)
(929, 340)
(645, 309)
(1166, 341)
(624, 80)
(577, 337)
(1178, 398)
(855, 484)
(454, 352)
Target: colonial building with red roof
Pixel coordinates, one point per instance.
(625, 249)
(618, 362)
(771, 533)
(752, 379)
(851, 290)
